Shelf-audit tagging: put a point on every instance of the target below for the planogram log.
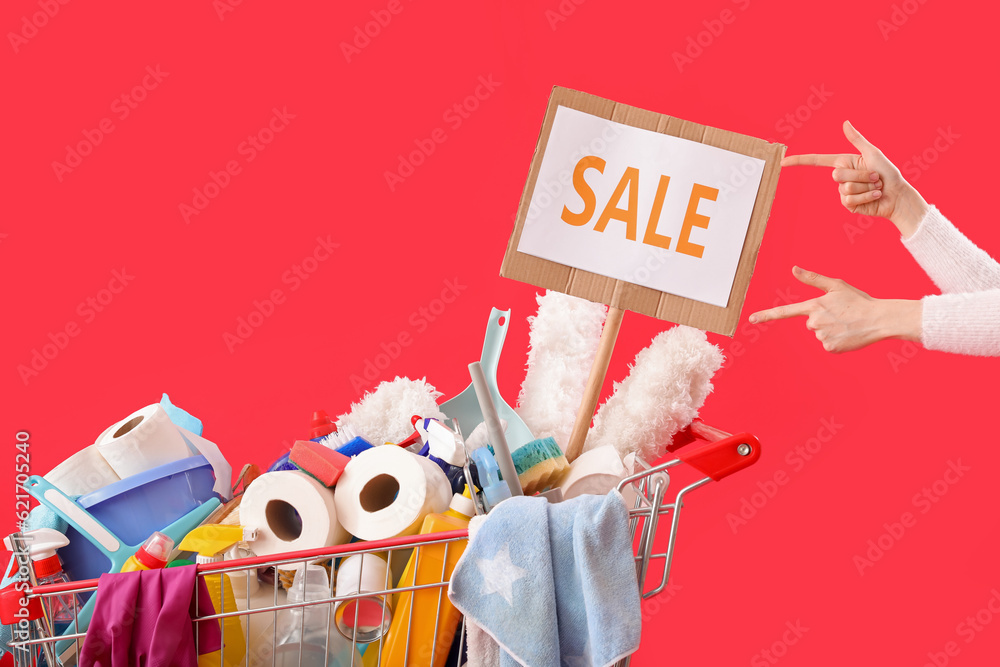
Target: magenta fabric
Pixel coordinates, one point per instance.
(144, 619)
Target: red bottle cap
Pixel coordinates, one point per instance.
(321, 425)
(155, 551)
(45, 567)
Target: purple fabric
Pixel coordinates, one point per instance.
(145, 619)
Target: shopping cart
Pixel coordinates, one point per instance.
(705, 450)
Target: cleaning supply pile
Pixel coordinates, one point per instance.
(152, 494)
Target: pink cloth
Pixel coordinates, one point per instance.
(144, 619)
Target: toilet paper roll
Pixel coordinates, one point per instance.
(387, 491)
(290, 511)
(367, 617)
(82, 473)
(142, 441)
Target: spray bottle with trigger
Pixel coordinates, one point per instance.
(42, 545)
(210, 541)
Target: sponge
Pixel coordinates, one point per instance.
(540, 464)
(319, 462)
(348, 446)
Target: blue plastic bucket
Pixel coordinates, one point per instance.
(136, 507)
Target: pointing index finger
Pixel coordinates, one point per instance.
(782, 312)
(813, 160)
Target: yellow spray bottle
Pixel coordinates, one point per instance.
(210, 542)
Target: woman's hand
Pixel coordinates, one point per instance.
(845, 318)
(869, 183)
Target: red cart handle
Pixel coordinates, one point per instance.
(720, 458)
(15, 605)
(696, 431)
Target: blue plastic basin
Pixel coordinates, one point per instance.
(136, 507)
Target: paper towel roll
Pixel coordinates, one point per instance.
(82, 473)
(290, 511)
(142, 441)
(387, 491)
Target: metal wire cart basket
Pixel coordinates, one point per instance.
(710, 452)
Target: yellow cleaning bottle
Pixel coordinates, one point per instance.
(411, 639)
(210, 541)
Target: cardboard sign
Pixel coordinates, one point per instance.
(643, 211)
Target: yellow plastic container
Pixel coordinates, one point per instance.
(210, 541)
(414, 645)
(220, 589)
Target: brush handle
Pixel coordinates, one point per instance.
(592, 393)
(494, 429)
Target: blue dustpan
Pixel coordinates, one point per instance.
(107, 542)
(465, 406)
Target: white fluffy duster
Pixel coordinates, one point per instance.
(564, 338)
(384, 414)
(666, 385)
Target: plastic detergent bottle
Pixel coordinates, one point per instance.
(306, 635)
(152, 555)
(42, 545)
(209, 541)
(414, 645)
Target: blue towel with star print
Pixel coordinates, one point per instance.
(553, 585)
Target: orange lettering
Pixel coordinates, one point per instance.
(692, 219)
(651, 237)
(584, 190)
(630, 179)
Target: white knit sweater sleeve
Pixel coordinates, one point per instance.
(965, 318)
(962, 322)
(951, 260)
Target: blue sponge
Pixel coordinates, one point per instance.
(355, 446)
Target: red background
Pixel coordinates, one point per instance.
(904, 412)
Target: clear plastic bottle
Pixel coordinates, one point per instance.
(43, 543)
(305, 631)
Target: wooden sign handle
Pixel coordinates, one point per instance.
(593, 391)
